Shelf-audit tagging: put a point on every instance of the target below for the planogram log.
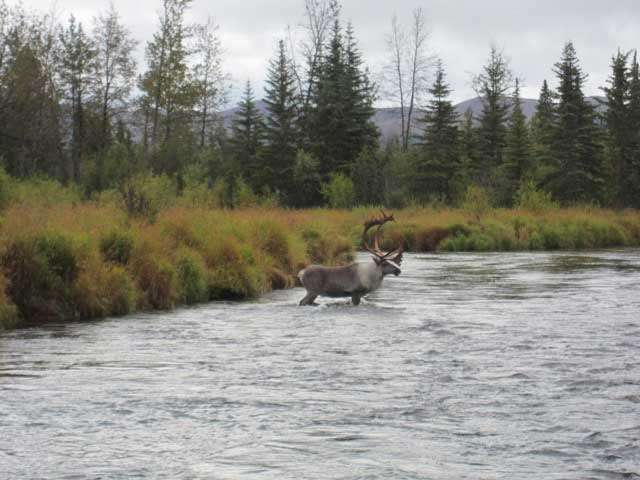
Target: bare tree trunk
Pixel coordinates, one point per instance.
(396, 43)
(407, 69)
(418, 40)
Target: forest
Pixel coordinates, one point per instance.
(75, 108)
(122, 188)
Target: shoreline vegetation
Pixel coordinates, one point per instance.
(62, 258)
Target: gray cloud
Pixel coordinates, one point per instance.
(531, 34)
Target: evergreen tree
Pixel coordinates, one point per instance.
(247, 139)
(359, 98)
(329, 141)
(517, 154)
(439, 161)
(492, 86)
(341, 119)
(634, 121)
(369, 177)
(281, 135)
(620, 136)
(578, 170)
(77, 68)
(468, 145)
(542, 132)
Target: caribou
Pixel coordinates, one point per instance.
(355, 280)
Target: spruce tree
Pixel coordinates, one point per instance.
(341, 119)
(329, 141)
(517, 154)
(247, 138)
(359, 97)
(619, 137)
(281, 136)
(438, 164)
(468, 146)
(634, 121)
(542, 132)
(578, 170)
(492, 86)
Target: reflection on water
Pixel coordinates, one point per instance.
(510, 365)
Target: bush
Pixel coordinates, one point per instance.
(191, 275)
(117, 247)
(339, 191)
(41, 272)
(8, 312)
(528, 197)
(103, 290)
(476, 202)
(156, 280)
(6, 188)
(146, 195)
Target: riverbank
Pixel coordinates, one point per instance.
(71, 261)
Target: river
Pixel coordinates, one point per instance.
(479, 366)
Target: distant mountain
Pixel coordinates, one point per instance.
(389, 122)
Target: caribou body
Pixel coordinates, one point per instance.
(357, 279)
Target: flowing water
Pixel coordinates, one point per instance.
(476, 366)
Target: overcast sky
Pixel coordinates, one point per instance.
(530, 33)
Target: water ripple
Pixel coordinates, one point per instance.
(519, 365)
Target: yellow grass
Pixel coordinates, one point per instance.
(82, 260)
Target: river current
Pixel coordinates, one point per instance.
(478, 366)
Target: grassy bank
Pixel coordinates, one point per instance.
(70, 260)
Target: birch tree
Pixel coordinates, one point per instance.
(114, 69)
(407, 71)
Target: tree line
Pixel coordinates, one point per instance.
(74, 107)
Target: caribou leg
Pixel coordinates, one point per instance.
(355, 299)
(308, 299)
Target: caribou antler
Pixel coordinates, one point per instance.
(375, 250)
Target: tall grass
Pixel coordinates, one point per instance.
(63, 259)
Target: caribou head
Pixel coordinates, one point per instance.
(357, 279)
(390, 261)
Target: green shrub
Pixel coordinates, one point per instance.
(191, 276)
(103, 290)
(476, 202)
(9, 317)
(146, 195)
(156, 280)
(339, 191)
(40, 273)
(528, 197)
(117, 246)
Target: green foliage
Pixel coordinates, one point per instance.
(517, 154)
(281, 135)
(40, 272)
(477, 202)
(117, 246)
(339, 191)
(145, 195)
(577, 174)
(529, 197)
(157, 283)
(438, 164)
(368, 178)
(191, 275)
(247, 139)
(6, 189)
(306, 177)
(492, 86)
